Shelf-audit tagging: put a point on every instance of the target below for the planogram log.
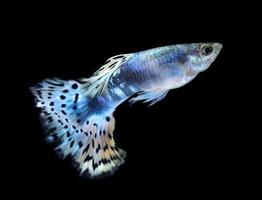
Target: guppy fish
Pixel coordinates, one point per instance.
(78, 115)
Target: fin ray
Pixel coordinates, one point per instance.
(150, 97)
(97, 83)
(77, 130)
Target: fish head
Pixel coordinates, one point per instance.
(201, 55)
(189, 60)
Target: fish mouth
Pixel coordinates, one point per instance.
(218, 47)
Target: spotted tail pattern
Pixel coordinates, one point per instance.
(78, 130)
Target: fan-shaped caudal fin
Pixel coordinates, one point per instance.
(77, 130)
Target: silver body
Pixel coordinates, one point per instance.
(159, 70)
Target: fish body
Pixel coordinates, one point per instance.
(78, 115)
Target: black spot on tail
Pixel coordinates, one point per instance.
(74, 86)
(88, 158)
(98, 148)
(72, 143)
(68, 134)
(80, 144)
(104, 161)
(63, 112)
(50, 119)
(94, 165)
(46, 113)
(86, 149)
(76, 98)
(105, 147)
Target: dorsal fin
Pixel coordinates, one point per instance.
(97, 83)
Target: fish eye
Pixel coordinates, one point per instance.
(206, 50)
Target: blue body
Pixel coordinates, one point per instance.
(78, 115)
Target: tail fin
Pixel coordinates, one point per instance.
(76, 129)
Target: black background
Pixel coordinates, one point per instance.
(184, 144)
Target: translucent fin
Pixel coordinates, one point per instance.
(97, 83)
(99, 156)
(152, 97)
(76, 129)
